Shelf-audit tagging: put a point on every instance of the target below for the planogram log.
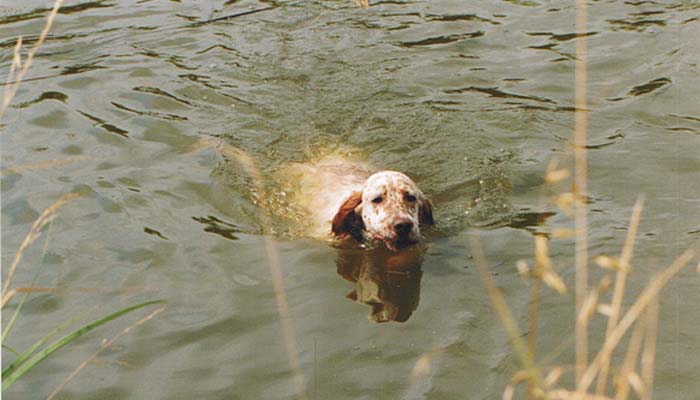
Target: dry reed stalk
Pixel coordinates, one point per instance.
(649, 352)
(580, 181)
(506, 316)
(42, 165)
(105, 344)
(518, 378)
(553, 376)
(119, 363)
(532, 328)
(591, 302)
(647, 296)
(552, 177)
(16, 63)
(362, 3)
(622, 381)
(423, 367)
(14, 81)
(248, 163)
(623, 270)
(563, 394)
(509, 392)
(544, 269)
(33, 234)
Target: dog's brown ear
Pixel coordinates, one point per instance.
(346, 220)
(425, 212)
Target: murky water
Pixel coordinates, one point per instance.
(471, 99)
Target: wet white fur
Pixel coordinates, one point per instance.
(396, 192)
(321, 189)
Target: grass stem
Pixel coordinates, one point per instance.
(623, 270)
(506, 316)
(248, 163)
(33, 234)
(645, 298)
(649, 352)
(15, 80)
(580, 181)
(9, 377)
(107, 343)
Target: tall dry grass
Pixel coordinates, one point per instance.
(581, 182)
(19, 66)
(44, 218)
(34, 355)
(249, 165)
(638, 322)
(362, 3)
(635, 372)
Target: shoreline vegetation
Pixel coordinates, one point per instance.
(638, 323)
(597, 378)
(24, 361)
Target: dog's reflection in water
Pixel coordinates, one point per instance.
(387, 281)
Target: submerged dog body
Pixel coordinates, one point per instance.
(346, 200)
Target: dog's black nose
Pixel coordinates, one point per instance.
(403, 228)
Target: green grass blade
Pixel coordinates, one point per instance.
(30, 351)
(15, 315)
(10, 379)
(11, 350)
(11, 324)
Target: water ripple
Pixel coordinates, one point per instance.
(442, 39)
(104, 125)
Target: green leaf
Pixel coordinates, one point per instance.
(30, 351)
(26, 366)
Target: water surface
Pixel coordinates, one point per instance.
(472, 100)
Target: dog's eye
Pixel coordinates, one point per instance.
(377, 200)
(410, 198)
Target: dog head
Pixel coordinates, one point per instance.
(390, 209)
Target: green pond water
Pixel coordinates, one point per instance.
(471, 99)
